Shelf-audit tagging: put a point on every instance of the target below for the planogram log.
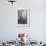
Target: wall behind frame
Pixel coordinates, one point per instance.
(8, 27)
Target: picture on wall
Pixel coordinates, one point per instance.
(23, 17)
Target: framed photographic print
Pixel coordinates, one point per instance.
(23, 17)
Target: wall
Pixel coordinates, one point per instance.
(37, 29)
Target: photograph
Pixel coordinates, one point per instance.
(23, 17)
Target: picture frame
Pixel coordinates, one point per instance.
(23, 17)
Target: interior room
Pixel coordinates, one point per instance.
(35, 27)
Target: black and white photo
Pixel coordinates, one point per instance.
(23, 16)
